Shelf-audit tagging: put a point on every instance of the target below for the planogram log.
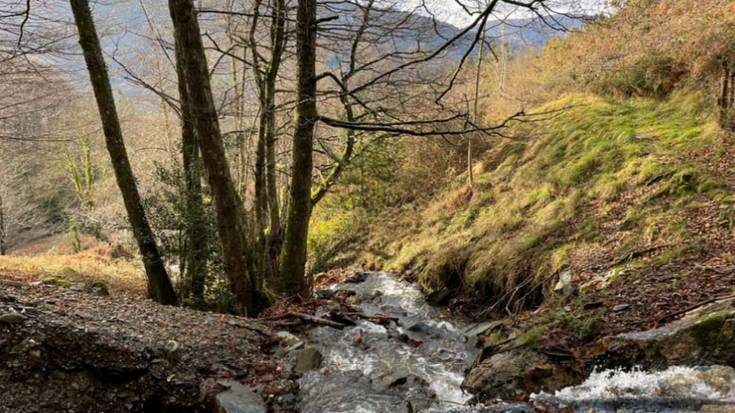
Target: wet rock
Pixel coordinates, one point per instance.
(12, 318)
(238, 399)
(521, 371)
(307, 358)
(325, 294)
(702, 337)
(420, 327)
(482, 328)
(356, 278)
(565, 285)
(287, 339)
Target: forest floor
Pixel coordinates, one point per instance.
(73, 349)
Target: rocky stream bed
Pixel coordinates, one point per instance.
(368, 345)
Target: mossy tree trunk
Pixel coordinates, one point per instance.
(195, 270)
(293, 256)
(266, 186)
(228, 206)
(159, 284)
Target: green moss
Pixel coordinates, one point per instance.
(57, 280)
(710, 332)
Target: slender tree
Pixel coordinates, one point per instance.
(195, 271)
(159, 284)
(2, 226)
(228, 206)
(293, 256)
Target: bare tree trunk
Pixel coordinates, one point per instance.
(159, 284)
(3, 248)
(724, 101)
(345, 158)
(278, 40)
(293, 256)
(261, 196)
(470, 171)
(228, 207)
(195, 270)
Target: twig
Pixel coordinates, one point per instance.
(670, 317)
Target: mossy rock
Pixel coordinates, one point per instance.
(57, 280)
(97, 287)
(702, 337)
(506, 375)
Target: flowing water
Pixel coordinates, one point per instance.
(419, 360)
(417, 364)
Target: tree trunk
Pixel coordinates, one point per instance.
(195, 270)
(470, 171)
(345, 158)
(228, 207)
(278, 39)
(724, 99)
(3, 248)
(293, 257)
(159, 284)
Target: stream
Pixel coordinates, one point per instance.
(418, 365)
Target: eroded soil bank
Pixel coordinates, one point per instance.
(65, 349)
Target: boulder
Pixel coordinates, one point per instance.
(507, 374)
(702, 337)
(238, 399)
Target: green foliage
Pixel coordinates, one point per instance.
(650, 76)
(331, 230)
(170, 218)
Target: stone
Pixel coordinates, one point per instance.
(287, 339)
(12, 318)
(565, 286)
(325, 294)
(507, 374)
(705, 336)
(482, 328)
(621, 307)
(356, 278)
(420, 327)
(238, 399)
(307, 358)
(98, 288)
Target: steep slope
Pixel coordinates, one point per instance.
(601, 192)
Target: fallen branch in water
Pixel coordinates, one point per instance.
(377, 318)
(311, 319)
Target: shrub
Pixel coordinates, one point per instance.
(649, 76)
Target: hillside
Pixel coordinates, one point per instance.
(604, 193)
(333, 207)
(610, 209)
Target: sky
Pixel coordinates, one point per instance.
(451, 12)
